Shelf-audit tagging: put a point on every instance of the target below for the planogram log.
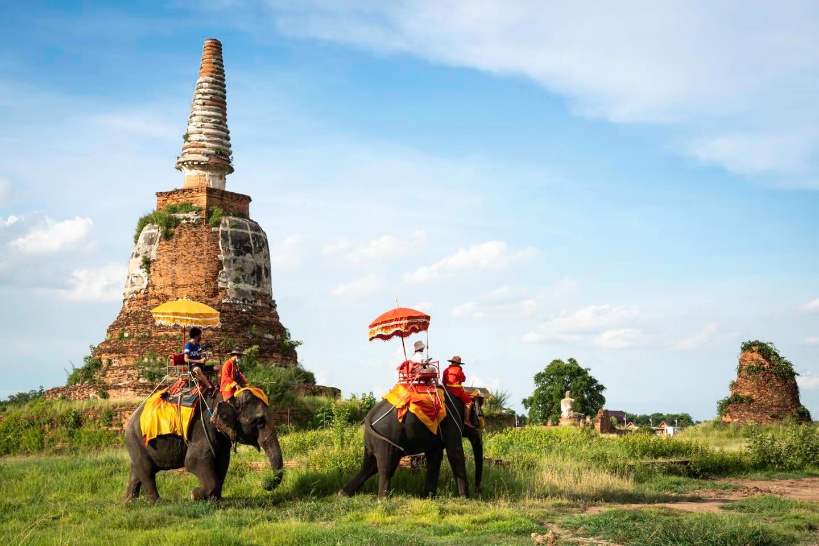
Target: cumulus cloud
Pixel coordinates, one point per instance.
(51, 236)
(522, 308)
(364, 286)
(811, 340)
(488, 255)
(622, 338)
(96, 285)
(741, 99)
(287, 252)
(811, 307)
(808, 381)
(382, 248)
(697, 339)
(573, 325)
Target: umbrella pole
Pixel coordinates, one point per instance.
(405, 349)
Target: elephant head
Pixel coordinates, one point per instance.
(248, 420)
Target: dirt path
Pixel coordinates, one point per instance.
(806, 489)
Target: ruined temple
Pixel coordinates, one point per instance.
(765, 390)
(199, 243)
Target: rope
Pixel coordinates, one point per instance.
(369, 427)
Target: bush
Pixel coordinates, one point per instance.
(795, 447)
(88, 373)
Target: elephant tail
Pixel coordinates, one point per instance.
(368, 427)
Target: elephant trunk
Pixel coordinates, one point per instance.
(269, 442)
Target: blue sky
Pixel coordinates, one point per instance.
(632, 186)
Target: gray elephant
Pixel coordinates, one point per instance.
(386, 440)
(215, 425)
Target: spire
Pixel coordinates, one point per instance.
(206, 154)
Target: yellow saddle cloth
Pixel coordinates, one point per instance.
(424, 401)
(257, 392)
(164, 416)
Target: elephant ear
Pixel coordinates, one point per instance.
(226, 419)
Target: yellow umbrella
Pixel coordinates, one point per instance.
(185, 313)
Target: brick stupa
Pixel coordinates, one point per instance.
(765, 390)
(215, 255)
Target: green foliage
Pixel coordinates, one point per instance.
(146, 264)
(289, 345)
(497, 404)
(215, 216)
(654, 419)
(791, 448)
(165, 219)
(22, 398)
(551, 385)
(780, 366)
(87, 374)
(152, 367)
(185, 137)
(276, 381)
(723, 404)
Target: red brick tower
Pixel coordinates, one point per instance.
(200, 243)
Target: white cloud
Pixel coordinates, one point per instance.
(522, 308)
(6, 193)
(811, 340)
(565, 287)
(811, 306)
(53, 236)
(808, 381)
(697, 339)
(737, 84)
(622, 338)
(384, 247)
(488, 255)
(364, 286)
(95, 285)
(572, 325)
(287, 252)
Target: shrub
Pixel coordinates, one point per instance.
(795, 447)
(88, 373)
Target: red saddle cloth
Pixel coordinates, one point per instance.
(422, 400)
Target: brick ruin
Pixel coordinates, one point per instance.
(207, 249)
(765, 390)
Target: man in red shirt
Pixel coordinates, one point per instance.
(230, 378)
(453, 381)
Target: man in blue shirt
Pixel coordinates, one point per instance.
(196, 361)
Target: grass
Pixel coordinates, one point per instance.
(543, 477)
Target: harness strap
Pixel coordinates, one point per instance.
(369, 427)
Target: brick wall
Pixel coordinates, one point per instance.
(205, 198)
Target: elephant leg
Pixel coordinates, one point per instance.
(434, 459)
(208, 473)
(368, 468)
(134, 486)
(457, 461)
(386, 469)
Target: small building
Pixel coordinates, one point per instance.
(664, 429)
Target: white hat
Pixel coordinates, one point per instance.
(419, 345)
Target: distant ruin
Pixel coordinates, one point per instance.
(199, 243)
(765, 390)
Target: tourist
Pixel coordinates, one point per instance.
(453, 381)
(196, 361)
(418, 355)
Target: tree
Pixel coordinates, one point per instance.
(550, 388)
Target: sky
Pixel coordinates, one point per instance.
(635, 186)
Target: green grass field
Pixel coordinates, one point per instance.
(70, 492)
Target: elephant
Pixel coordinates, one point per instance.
(245, 419)
(386, 440)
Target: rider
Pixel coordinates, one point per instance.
(453, 381)
(196, 361)
(416, 363)
(230, 378)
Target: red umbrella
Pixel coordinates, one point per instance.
(399, 322)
